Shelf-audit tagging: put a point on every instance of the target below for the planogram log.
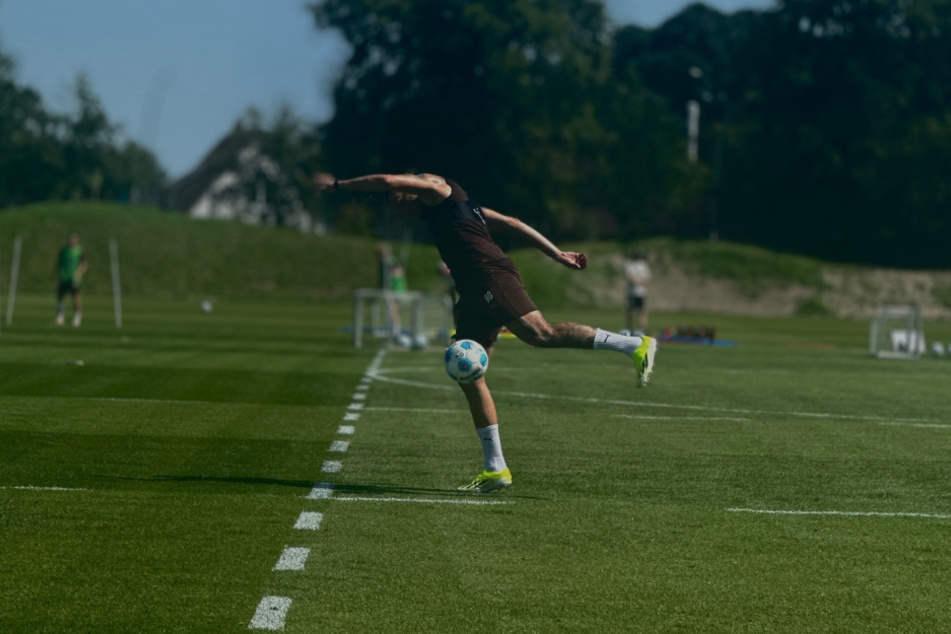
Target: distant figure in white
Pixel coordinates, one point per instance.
(638, 275)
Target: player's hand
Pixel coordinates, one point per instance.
(323, 182)
(572, 260)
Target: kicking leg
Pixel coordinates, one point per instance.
(535, 330)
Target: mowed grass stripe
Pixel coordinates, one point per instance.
(196, 456)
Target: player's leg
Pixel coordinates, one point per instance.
(77, 306)
(60, 308)
(495, 473)
(642, 316)
(534, 329)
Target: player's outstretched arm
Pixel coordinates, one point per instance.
(430, 188)
(501, 222)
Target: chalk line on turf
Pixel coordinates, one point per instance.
(461, 502)
(936, 516)
(383, 375)
(271, 614)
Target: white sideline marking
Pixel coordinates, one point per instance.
(415, 409)
(33, 488)
(367, 379)
(843, 513)
(700, 408)
(321, 491)
(355, 406)
(351, 416)
(331, 466)
(359, 396)
(339, 446)
(426, 501)
(363, 387)
(632, 416)
(271, 613)
(346, 430)
(931, 425)
(292, 559)
(309, 521)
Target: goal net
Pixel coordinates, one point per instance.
(896, 332)
(410, 318)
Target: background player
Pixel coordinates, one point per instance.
(71, 265)
(491, 293)
(638, 275)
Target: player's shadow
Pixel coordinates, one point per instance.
(341, 489)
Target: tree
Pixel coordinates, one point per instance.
(516, 100)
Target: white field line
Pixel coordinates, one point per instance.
(351, 416)
(346, 430)
(843, 513)
(382, 376)
(331, 466)
(292, 559)
(425, 501)
(355, 406)
(339, 446)
(715, 418)
(415, 409)
(33, 488)
(309, 521)
(931, 425)
(271, 613)
(359, 396)
(321, 491)
(363, 387)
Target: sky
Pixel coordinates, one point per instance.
(177, 74)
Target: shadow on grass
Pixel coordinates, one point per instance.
(344, 489)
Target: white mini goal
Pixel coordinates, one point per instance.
(411, 315)
(896, 332)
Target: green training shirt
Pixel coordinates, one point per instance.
(69, 260)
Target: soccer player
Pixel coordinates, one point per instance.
(71, 265)
(638, 275)
(491, 293)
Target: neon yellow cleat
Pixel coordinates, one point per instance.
(644, 360)
(489, 481)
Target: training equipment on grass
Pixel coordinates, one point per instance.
(466, 361)
(896, 332)
(393, 315)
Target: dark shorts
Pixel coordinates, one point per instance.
(67, 287)
(636, 302)
(501, 300)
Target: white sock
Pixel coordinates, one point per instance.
(491, 448)
(604, 340)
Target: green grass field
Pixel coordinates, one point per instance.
(155, 487)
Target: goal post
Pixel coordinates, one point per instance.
(896, 332)
(393, 315)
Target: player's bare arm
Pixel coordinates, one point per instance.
(430, 188)
(500, 222)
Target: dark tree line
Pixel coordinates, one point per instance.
(46, 155)
(825, 124)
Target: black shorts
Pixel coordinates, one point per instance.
(67, 287)
(500, 300)
(636, 302)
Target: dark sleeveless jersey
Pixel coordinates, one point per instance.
(459, 232)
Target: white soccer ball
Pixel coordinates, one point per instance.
(206, 306)
(937, 349)
(466, 361)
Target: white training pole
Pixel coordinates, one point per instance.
(116, 290)
(14, 274)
